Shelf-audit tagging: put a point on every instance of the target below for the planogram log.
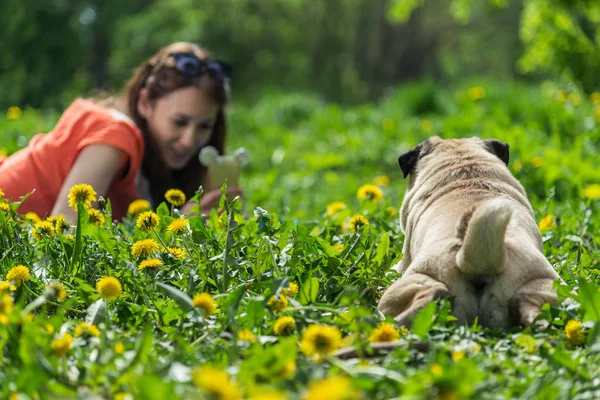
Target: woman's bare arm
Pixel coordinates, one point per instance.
(97, 165)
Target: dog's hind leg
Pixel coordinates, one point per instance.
(525, 305)
(410, 294)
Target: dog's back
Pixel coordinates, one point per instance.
(471, 235)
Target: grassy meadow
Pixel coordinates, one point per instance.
(257, 303)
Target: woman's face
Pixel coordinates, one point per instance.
(180, 123)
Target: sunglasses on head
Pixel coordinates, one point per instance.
(191, 66)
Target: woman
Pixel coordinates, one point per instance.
(136, 147)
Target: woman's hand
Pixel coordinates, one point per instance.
(210, 200)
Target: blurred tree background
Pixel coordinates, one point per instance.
(348, 51)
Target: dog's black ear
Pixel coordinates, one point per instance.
(498, 148)
(408, 160)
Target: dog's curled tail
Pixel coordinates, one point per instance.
(482, 231)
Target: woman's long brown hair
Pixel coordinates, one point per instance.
(160, 83)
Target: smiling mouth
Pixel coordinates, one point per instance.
(181, 155)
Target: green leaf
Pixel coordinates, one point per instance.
(232, 304)
(163, 210)
(589, 298)
(96, 312)
(309, 291)
(183, 300)
(564, 359)
(268, 363)
(383, 248)
(82, 222)
(423, 322)
(399, 11)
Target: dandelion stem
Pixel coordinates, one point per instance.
(160, 239)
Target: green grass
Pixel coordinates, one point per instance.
(306, 154)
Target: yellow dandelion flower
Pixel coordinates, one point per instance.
(288, 370)
(518, 166)
(1, 193)
(216, 383)
(18, 275)
(391, 211)
(42, 228)
(138, 206)
(290, 291)
(268, 394)
(81, 193)
(33, 217)
(335, 207)
(357, 222)
(591, 192)
(119, 348)
(436, 369)
(595, 98)
(14, 113)
(319, 340)
(109, 288)
(175, 197)
(562, 96)
(4, 285)
(332, 388)
(546, 222)
(150, 263)
(339, 247)
(61, 224)
(5, 207)
(381, 180)
(284, 326)
(206, 302)
(574, 98)
(177, 252)
(51, 219)
(49, 328)
(387, 124)
(278, 304)
(178, 225)
(246, 335)
(144, 248)
(27, 317)
(147, 220)
(476, 93)
(574, 332)
(536, 162)
(95, 216)
(426, 126)
(385, 332)
(370, 193)
(86, 329)
(61, 345)
(69, 237)
(6, 304)
(58, 290)
(458, 355)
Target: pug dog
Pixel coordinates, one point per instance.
(470, 234)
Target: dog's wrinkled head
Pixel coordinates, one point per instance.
(454, 147)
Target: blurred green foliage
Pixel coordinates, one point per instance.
(306, 152)
(560, 38)
(346, 50)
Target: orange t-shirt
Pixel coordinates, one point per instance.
(45, 163)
